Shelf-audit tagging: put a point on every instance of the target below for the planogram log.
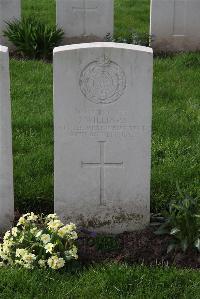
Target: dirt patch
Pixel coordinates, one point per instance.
(134, 248)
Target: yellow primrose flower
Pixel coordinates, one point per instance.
(21, 252)
(60, 263)
(72, 226)
(55, 262)
(28, 266)
(6, 249)
(14, 231)
(52, 216)
(7, 235)
(49, 247)
(73, 252)
(7, 246)
(22, 221)
(26, 215)
(29, 258)
(42, 263)
(32, 217)
(54, 224)
(73, 236)
(45, 238)
(67, 230)
(62, 232)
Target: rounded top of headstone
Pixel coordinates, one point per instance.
(102, 45)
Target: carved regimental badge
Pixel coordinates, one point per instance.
(102, 81)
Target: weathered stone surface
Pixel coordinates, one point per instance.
(6, 168)
(175, 25)
(102, 110)
(85, 20)
(9, 10)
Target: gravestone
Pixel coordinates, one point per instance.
(102, 110)
(175, 25)
(6, 171)
(85, 20)
(9, 10)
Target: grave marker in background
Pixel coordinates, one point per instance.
(102, 135)
(6, 168)
(85, 20)
(175, 25)
(9, 10)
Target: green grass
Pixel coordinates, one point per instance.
(176, 120)
(42, 9)
(131, 15)
(111, 281)
(176, 127)
(31, 92)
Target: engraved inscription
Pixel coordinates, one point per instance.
(104, 124)
(102, 165)
(102, 81)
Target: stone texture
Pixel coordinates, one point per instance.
(85, 20)
(102, 110)
(6, 168)
(175, 25)
(9, 10)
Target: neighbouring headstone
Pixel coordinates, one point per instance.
(9, 10)
(85, 20)
(6, 167)
(175, 25)
(103, 112)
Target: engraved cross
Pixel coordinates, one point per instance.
(102, 165)
(83, 10)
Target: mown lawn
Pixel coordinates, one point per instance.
(106, 281)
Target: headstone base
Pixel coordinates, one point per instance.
(174, 44)
(80, 40)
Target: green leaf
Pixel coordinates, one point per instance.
(174, 231)
(171, 247)
(197, 244)
(163, 229)
(184, 245)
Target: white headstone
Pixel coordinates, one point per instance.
(9, 11)
(103, 112)
(85, 19)
(6, 167)
(175, 25)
